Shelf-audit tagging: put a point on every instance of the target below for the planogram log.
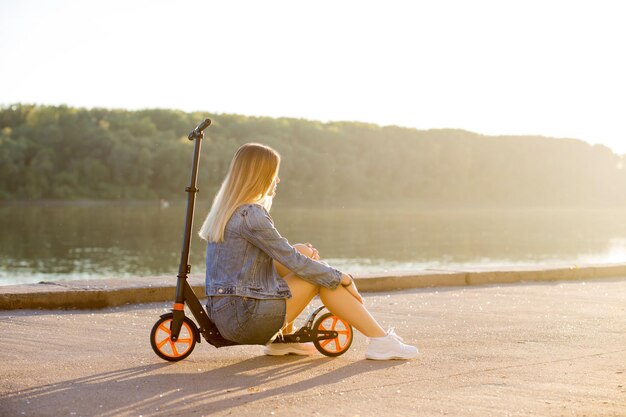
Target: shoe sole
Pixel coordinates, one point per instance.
(389, 356)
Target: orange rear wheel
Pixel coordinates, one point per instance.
(340, 344)
(165, 347)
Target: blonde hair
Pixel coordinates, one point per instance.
(249, 180)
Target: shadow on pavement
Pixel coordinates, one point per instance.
(150, 389)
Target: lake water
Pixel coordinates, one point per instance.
(92, 241)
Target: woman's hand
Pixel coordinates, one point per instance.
(348, 283)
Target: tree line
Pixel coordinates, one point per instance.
(61, 152)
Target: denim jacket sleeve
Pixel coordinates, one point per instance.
(258, 228)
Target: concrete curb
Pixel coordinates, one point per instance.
(113, 292)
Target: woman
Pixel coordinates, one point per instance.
(257, 283)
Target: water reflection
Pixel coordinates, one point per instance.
(42, 243)
(401, 239)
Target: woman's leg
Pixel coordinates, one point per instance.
(341, 303)
(302, 292)
(338, 301)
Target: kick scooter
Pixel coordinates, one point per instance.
(174, 335)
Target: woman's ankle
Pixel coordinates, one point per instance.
(376, 334)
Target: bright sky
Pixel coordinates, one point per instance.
(549, 67)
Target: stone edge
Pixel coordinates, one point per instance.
(98, 295)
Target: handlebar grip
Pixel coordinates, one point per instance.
(198, 130)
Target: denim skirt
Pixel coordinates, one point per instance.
(247, 321)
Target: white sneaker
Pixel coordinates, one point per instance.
(389, 347)
(279, 349)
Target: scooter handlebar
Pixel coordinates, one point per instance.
(198, 130)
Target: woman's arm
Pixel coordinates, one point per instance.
(259, 230)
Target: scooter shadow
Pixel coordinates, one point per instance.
(154, 390)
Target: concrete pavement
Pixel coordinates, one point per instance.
(536, 349)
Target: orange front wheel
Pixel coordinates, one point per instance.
(165, 347)
(340, 344)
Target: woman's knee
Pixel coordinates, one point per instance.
(303, 249)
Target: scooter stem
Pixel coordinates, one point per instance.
(184, 267)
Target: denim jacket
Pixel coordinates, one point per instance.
(242, 263)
